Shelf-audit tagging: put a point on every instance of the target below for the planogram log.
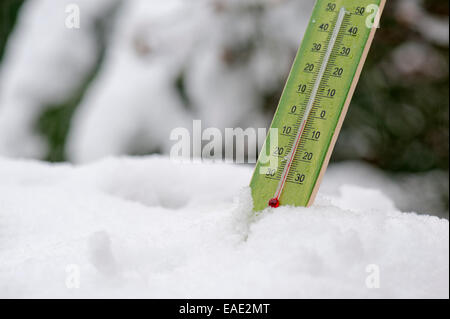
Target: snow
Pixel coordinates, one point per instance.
(44, 64)
(149, 227)
(418, 192)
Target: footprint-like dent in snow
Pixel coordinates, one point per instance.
(100, 253)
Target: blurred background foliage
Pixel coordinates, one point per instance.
(54, 122)
(398, 120)
(8, 15)
(402, 110)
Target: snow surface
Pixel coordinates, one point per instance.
(149, 227)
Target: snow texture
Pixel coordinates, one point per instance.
(150, 227)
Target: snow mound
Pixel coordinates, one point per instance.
(153, 228)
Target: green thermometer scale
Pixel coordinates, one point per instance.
(314, 102)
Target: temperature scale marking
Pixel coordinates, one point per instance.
(314, 102)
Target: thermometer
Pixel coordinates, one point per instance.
(314, 102)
